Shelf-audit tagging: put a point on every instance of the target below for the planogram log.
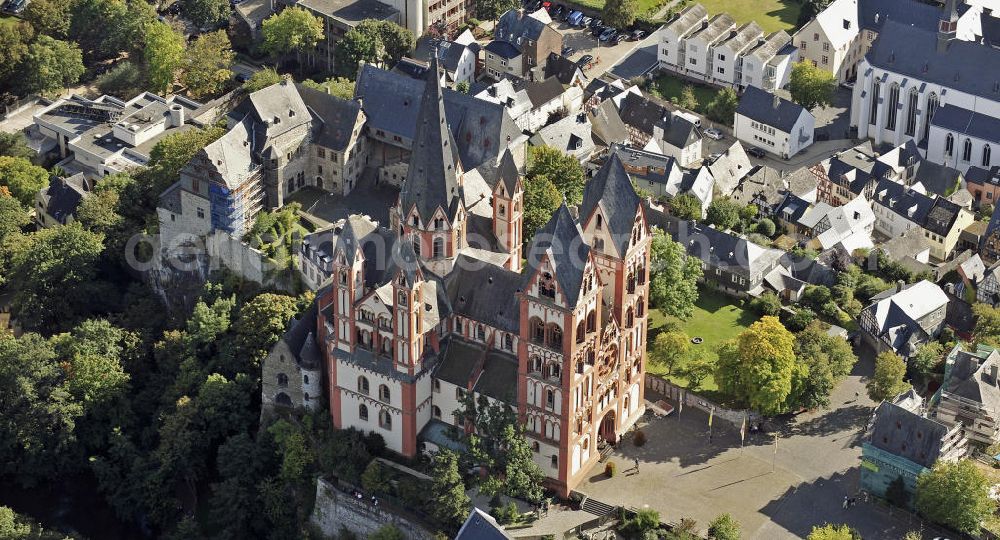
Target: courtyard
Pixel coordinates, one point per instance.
(771, 15)
(669, 87)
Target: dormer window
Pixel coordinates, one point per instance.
(291, 113)
(600, 222)
(277, 120)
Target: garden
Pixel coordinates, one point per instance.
(771, 15)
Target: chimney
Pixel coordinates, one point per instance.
(777, 101)
(176, 115)
(899, 285)
(993, 372)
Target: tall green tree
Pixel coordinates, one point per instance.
(382, 43)
(620, 13)
(207, 64)
(491, 10)
(164, 54)
(821, 362)
(722, 108)
(261, 79)
(688, 100)
(451, 504)
(50, 17)
(14, 39)
(106, 28)
(206, 13)
(168, 157)
(956, 495)
(13, 216)
(562, 170)
(669, 348)
(685, 206)
(674, 276)
(811, 86)
(757, 368)
(261, 323)
(987, 328)
(22, 179)
(341, 87)
(927, 357)
(294, 30)
(541, 200)
(15, 145)
(51, 65)
(724, 213)
(887, 382)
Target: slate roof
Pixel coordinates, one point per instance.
(915, 206)
(898, 314)
(649, 166)
(481, 526)
(432, 178)
(300, 340)
(562, 68)
(941, 216)
(561, 240)
(484, 292)
(335, 117)
(728, 251)
(450, 54)
(678, 131)
(63, 196)
(516, 23)
(641, 113)
(959, 120)
(688, 17)
(938, 179)
(717, 27)
(907, 435)
(873, 14)
(983, 177)
(274, 110)
(458, 361)
(743, 37)
(480, 129)
(507, 172)
(570, 135)
(966, 66)
(499, 377)
(503, 49)
(970, 378)
(612, 189)
(542, 92)
(759, 105)
(227, 160)
(607, 125)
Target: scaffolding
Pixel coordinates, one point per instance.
(234, 210)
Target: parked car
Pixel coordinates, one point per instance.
(753, 151)
(585, 21)
(584, 60)
(547, 6)
(15, 6)
(713, 133)
(638, 34)
(574, 18)
(568, 51)
(597, 30)
(607, 34)
(616, 39)
(848, 85)
(558, 11)
(594, 23)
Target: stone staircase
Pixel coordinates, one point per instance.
(593, 506)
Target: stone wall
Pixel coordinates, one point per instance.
(335, 509)
(691, 399)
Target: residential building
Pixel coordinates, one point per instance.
(656, 128)
(847, 227)
(730, 168)
(989, 248)
(729, 262)
(899, 208)
(341, 16)
(726, 64)
(571, 136)
(776, 125)
(903, 444)
(481, 526)
(57, 203)
(458, 59)
(662, 176)
(528, 39)
(700, 54)
(904, 317)
(983, 184)
(768, 65)
(292, 372)
(988, 289)
(532, 104)
(969, 396)
(106, 135)
(406, 341)
(766, 188)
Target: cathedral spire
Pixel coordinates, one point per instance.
(432, 177)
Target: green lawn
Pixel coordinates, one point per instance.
(716, 319)
(771, 15)
(667, 86)
(646, 7)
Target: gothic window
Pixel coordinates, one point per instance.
(436, 411)
(416, 246)
(438, 247)
(932, 105)
(363, 412)
(282, 380)
(967, 150)
(536, 364)
(503, 210)
(383, 393)
(592, 321)
(555, 336)
(600, 222)
(415, 220)
(986, 156)
(580, 332)
(305, 379)
(385, 420)
(599, 244)
(343, 278)
(911, 113)
(876, 95)
(640, 309)
(550, 398)
(537, 330)
(949, 145)
(438, 224)
(401, 298)
(508, 342)
(363, 385)
(629, 318)
(481, 333)
(890, 123)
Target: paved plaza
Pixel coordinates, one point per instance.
(774, 494)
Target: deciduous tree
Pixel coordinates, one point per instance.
(563, 170)
(262, 79)
(766, 304)
(722, 108)
(756, 369)
(14, 40)
(673, 277)
(956, 495)
(13, 216)
(724, 527)
(381, 43)
(207, 64)
(887, 382)
(685, 206)
(491, 10)
(206, 13)
(14, 145)
(669, 348)
(541, 200)
(833, 532)
(620, 13)
(451, 504)
(811, 86)
(22, 179)
(51, 65)
(341, 87)
(724, 213)
(50, 17)
(164, 54)
(294, 30)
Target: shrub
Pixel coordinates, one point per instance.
(766, 304)
(610, 468)
(799, 320)
(640, 438)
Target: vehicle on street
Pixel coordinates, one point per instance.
(607, 34)
(585, 22)
(616, 39)
(597, 30)
(753, 151)
(568, 51)
(594, 23)
(574, 18)
(584, 60)
(713, 133)
(638, 34)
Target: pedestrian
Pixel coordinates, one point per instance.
(636, 461)
(857, 395)
(845, 502)
(373, 499)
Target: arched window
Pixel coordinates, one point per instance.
(416, 246)
(876, 95)
(949, 145)
(640, 308)
(282, 380)
(600, 222)
(384, 420)
(911, 113)
(283, 399)
(342, 278)
(890, 122)
(306, 396)
(503, 210)
(555, 371)
(599, 244)
(383, 393)
(536, 364)
(629, 318)
(581, 331)
(305, 379)
(986, 156)
(550, 398)
(537, 330)
(436, 411)
(362, 385)
(363, 412)
(438, 247)
(592, 321)
(932, 105)
(555, 336)
(508, 342)
(481, 332)
(967, 150)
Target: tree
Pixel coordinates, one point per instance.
(261, 79)
(462, 86)
(14, 40)
(724, 527)
(896, 493)
(620, 13)
(987, 328)
(168, 156)
(927, 357)
(261, 323)
(822, 360)
(50, 17)
(13, 217)
(673, 278)
(293, 30)
(382, 43)
(23, 179)
(670, 347)
(563, 170)
(51, 65)
(722, 108)
(698, 367)
(125, 80)
(206, 13)
(207, 64)
(766, 227)
(811, 86)
(757, 367)
(10, 525)
(14, 145)
(541, 200)
(491, 10)
(766, 304)
(833, 532)
(799, 320)
(887, 382)
(164, 54)
(106, 28)
(451, 504)
(688, 100)
(724, 213)
(53, 276)
(956, 495)
(387, 532)
(685, 206)
(341, 87)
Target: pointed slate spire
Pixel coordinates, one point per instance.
(561, 239)
(612, 189)
(431, 180)
(507, 172)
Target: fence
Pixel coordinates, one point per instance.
(691, 399)
(18, 106)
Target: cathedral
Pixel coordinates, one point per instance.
(414, 318)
